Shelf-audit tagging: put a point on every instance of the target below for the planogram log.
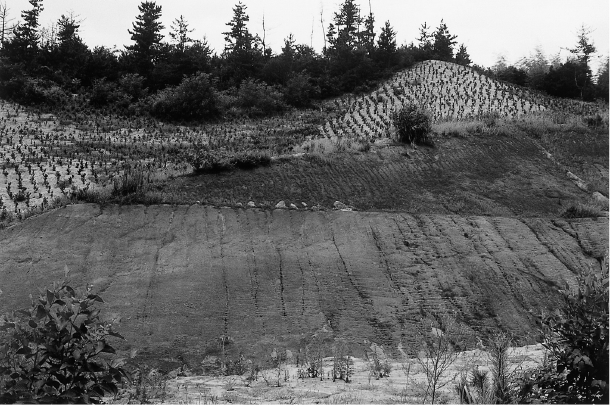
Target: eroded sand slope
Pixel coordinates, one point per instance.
(180, 276)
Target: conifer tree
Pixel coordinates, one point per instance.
(242, 54)
(442, 48)
(67, 29)
(583, 50)
(24, 43)
(367, 36)
(462, 57)
(180, 33)
(348, 22)
(425, 38)
(238, 39)
(386, 45)
(584, 46)
(71, 53)
(147, 37)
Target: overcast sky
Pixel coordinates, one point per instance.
(489, 28)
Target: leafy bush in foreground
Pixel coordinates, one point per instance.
(56, 351)
(577, 338)
(412, 125)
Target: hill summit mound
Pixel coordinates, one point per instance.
(447, 91)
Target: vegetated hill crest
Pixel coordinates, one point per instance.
(179, 277)
(448, 91)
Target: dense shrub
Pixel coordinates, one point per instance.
(104, 93)
(412, 125)
(194, 98)
(132, 84)
(299, 91)
(576, 336)
(259, 98)
(57, 352)
(23, 89)
(205, 161)
(594, 121)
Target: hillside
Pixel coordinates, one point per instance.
(45, 157)
(345, 232)
(179, 277)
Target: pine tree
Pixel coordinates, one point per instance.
(442, 48)
(71, 53)
(584, 46)
(462, 57)
(147, 37)
(288, 48)
(348, 22)
(180, 33)
(331, 38)
(425, 38)
(583, 50)
(68, 27)
(386, 45)
(367, 37)
(242, 55)
(24, 44)
(238, 39)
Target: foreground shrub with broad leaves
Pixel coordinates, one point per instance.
(576, 336)
(413, 125)
(56, 351)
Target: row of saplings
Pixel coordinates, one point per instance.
(57, 351)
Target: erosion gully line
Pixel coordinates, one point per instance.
(151, 283)
(221, 219)
(315, 277)
(253, 271)
(359, 291)
(302, 287)
(383, 257)
(541, 239)
(281, 282)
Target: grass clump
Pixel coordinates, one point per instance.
(203, 160)
(583, 210)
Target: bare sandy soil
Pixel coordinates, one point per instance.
(406, 383)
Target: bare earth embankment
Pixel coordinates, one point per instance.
(179, 277)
